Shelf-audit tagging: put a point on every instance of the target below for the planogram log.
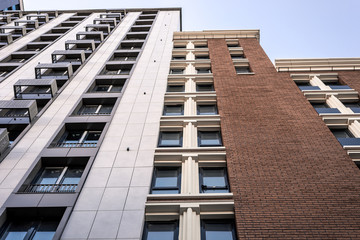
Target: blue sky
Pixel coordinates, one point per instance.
(288, 28)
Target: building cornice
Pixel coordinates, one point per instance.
(211, 34)
(317, 64)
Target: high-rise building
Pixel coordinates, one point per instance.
(11, 5)
(116, 124)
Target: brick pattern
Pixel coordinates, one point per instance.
(289, 175)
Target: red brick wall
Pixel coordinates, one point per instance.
(289, 175)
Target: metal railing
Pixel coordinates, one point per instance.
(47, 188)
(70, 145)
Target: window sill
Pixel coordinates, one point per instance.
(190, 196)
(249, 73)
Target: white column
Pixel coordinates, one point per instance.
(334, 102)
(315, 81)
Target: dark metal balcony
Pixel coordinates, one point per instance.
(17, 112)
(35, 89)
(50, 188)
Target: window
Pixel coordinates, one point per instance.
(307, 83)
(354, 106)
(200, 57)
(79, 139)
(213, 180)
(357, 164)
(107, 88)
(56, 179)
(178, 58)
(166, 180)
(209, 138)
(176, 71)
(201, 46)
(161, 231)
(203, 70)
(173, 110)
(175, 88)
(28, 230)
(95, 110)
(237, 56)
(233, 44)
(223, 229)
(207, 109)
(320, 105)
(242, 69)
(342, 133)
(201, 87)
(170, 139)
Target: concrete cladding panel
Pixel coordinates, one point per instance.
(289, 175)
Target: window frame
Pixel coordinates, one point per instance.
(175, 224)
(178, 187)
(209, 145)
(198, 106)
(167, 105)
(217, 221)
(177, 145)
(202, 187)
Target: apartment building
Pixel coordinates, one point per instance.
(116, 124)
(12, 5)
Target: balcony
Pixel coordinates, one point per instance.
(35, 89)
(79, 135)
(105, 28)
(87, 45)
(75, 57)
(59, 71)
(17, 112)
(109, 21)
(48, 188)
(98, 36)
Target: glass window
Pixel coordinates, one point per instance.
(30, 230)
(352, 105)
(105, 109)
(242, 69)
(101, 88)
(161, 231)
(223, 229)
(166, 180)
(342, 133)
(176, 71)
(92, 137)
(175, 88)
(238, 56)
(173, 110)
(200, 87)
(88, 110)
(50, 175)
(72, 175)
(320, 105)
(208, 109)
(209, 138)
(203, 70)
(213, 180)
(72, 137)
(170, 139)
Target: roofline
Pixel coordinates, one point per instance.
(209, 34)
(317, 64)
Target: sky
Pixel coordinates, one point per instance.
(288, 28)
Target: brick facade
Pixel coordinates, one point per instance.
(289, 175)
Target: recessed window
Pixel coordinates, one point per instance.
(173, 110)
(320, 105)
(342, 133)
(213, 180)
(107, 88)
(203, 70)
(209, 138)
(175, 88)
(207, 109)
(161, 231)
(170, 139)
(56, 179)
(166, 180)
(79, 139)
(178, 58)
(233, 44)
(201, 46)
(223, 229)
(237, 56)
(242, 69)
(95, 110)
(176, 71)
(354, 106)
(202, 57)
(204, 87)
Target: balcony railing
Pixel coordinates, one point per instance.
(302, 88)
(349, 141)
(50, 188)
(340, 87)
(76, 145)
(327, 110)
